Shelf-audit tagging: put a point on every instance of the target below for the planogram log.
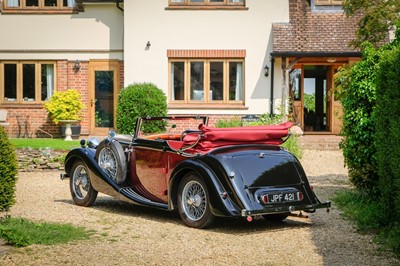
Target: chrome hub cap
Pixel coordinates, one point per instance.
(194, 200)
(81, 182)
(108, 162)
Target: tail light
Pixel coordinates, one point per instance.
(264, 199)
(300, 196)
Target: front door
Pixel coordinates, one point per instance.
(104, 89)
(316, 98)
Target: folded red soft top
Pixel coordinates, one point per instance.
(217, 137)
(246, 134)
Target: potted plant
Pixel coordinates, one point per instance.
(66, 107)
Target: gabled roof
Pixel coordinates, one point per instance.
(313, 32)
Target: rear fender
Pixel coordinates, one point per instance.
(220, 206)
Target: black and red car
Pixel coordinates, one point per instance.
(200, 171)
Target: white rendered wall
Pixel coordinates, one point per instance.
(96, 33)
(203, 29)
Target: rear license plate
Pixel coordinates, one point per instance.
(283, 197)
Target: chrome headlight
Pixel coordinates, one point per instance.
(93, 143)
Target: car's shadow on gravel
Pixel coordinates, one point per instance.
(230, 225)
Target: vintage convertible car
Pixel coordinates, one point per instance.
(202, 172)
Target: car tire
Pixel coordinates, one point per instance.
(111, 158)
(194, 202)
(82, 192)
(278, 217)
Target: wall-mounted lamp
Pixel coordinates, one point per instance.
(266, 71)
(77, 66)
(331, 60)
(148, 44)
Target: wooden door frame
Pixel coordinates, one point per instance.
(102, 65)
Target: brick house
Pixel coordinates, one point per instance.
(311, 47)
(210, 57)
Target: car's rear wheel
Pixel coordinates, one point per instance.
(278, 217)
(111, 158)
(82, 192)
(193, 201)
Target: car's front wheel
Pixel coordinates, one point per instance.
(193, 201)
(82, 192)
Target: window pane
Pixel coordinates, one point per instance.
(50, 2)
(47, 81)
(10, 82)
(13, 3)
(196, 1)
(197, 81)
(104, 95)
(216, 80)
(32, 2)
(217, 1)
(236, 1)
(28, 83)
(177, 80)
(69, 3)
(235, 81)
(295, 83)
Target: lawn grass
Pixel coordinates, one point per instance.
(366, 212)
(21, 232)
(54, 144)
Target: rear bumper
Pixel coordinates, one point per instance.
(284, 209)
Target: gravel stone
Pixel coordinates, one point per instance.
(134, 235)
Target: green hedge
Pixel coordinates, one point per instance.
(139, 100)
(358, 92)
(387, 116)
(8, 172)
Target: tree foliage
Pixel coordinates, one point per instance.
(378, 18)
(8, 172)
(358, 97)
(387, 120)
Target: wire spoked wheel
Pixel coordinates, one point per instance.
(111, 158)
(82, 192)
(193, 202)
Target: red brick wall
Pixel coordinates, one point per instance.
(38, 120)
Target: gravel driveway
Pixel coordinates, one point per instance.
(132, 235)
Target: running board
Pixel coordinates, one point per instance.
(132, 195)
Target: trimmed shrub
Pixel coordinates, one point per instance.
(140, 100)
(65, 105)
(358, 97)
(388, 133)
(8, 172)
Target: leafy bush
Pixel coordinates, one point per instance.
(8, 172)
(388, 131)
(233, 122)
(65, 105)
(357, 88)
(140, 100)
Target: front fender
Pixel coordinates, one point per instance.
(99, 179)
(84, 154)
(220, 205)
